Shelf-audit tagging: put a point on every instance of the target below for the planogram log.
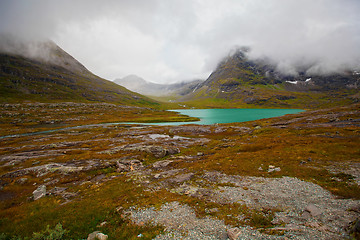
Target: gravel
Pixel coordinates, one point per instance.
(304, 210)
(180, 222)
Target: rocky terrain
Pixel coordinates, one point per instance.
(291, 177)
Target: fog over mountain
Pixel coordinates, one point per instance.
(169, 41)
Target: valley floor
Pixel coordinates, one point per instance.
(291, 177)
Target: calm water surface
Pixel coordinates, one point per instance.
(212, 116)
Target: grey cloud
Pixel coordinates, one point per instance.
(167, 41)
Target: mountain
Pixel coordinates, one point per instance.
(139, 85)
(42, 71)
(258, 82)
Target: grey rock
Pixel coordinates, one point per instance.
(97, 235)
(43, 170)
(233, 233)
(182, 178)
(101, 236)
(21, 180)
(128, 165)
(272, 168)
(191, 129)
(156, 150)
(122, 167)
(39, 192)
(102, 224)
(92, 236)
(313, 210)
(162, 164)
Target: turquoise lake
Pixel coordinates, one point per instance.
(212, 116)
(207, 117)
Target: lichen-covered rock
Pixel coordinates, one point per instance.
(39, 192)
(162, 164)
(128, 165)
(156, 150)
(182, 178)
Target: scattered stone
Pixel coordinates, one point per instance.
(233, 233)
(199, 154)
(39, 192)
(102, 224)
(272, 168)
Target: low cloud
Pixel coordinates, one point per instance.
(168, 41)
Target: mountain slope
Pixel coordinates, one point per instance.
(139, 85)
(54, 75)
(258, 82)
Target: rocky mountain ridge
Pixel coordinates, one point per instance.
(139, 85)
(264, 71)
(260, 82)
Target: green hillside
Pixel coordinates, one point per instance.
(58, 77)
(240, 82)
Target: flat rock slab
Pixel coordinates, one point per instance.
(181, 178)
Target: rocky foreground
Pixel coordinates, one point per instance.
(292, 177)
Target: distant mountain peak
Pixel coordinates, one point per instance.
(139, 85)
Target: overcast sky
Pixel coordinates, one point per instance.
(172, 40)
